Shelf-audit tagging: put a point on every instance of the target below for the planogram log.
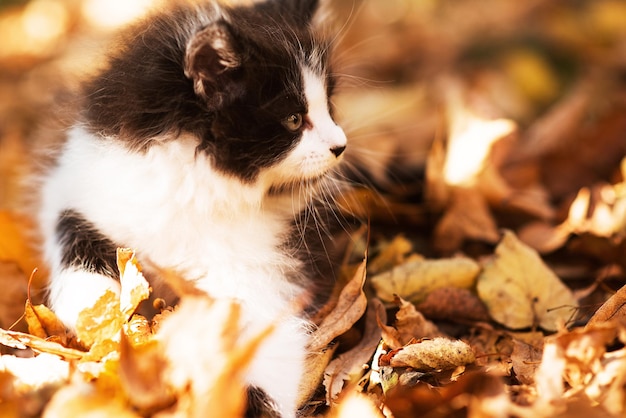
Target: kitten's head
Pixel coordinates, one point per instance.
(251, 82)
(264, 73)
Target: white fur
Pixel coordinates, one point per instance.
(174, 209)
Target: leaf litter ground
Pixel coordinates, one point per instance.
(494, 133)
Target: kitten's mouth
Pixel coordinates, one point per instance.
(295, 185)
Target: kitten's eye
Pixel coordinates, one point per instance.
(293, 122)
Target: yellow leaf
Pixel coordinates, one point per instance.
(101, 322)
(134, 287)
(21, 340)
(43, 323)
(414, 280)
(14, 246)
(435, 354)
(83, 400)
(520, 291)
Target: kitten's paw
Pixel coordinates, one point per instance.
(72, 291)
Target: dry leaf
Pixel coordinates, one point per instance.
(101, 322)
(613, 309)
(410, 325)
(431, 355)
(525, 360)
(13, 244)
(43, 323)
(350, 307)
(467, 216)
(391, 255)
(414, 280)
(520, 291)
(85, 400)
(453, 304)
(21, 341)
(141, 373)
(348, 367)
(134, 287)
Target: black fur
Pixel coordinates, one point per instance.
(229, 77)
(83, 246)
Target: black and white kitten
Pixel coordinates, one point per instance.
(207, 134)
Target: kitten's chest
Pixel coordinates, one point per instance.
(176, 211)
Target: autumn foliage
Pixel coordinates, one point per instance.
(487, 279)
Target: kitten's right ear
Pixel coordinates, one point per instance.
(211, 55)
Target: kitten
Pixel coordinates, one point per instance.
(199, 145)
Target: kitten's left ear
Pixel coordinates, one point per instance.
(210, 58)
(304, 9)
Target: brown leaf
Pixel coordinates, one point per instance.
(348, 367)
(525, 359)
(43, 323)
(473, 395)
(467, 217)
(350, 307)
(142, 376)
(614, 309)
(411, 324)
(453, 304)
(435, 354)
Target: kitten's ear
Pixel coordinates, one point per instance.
(211, 54)
(310, 12)
(305, 9)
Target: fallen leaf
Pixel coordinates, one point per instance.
(84, 400)
(21, 341)
(14, 247)
(141, 374)
(468, 216)
(614, 309)
(473, 395)
(431, 355)
(349, 366)
(101, 322)
(453, 304)
(43, 323)
(414, 280)
(520, 291)
(409, 325)
(350, 307)
(525, 361)
(391, 255)
(134, 287)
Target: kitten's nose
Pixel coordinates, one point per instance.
(338, 150)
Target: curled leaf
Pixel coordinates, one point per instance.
(435, 354)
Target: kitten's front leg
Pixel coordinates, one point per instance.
(83, 266)
(72, 290)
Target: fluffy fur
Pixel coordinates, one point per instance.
(199, 145)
